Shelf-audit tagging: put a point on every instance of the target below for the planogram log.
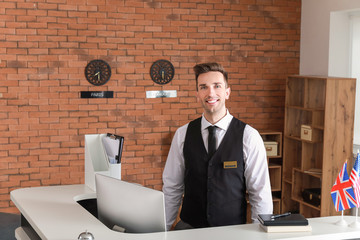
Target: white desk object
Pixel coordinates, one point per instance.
(53, 212)
(97, 160)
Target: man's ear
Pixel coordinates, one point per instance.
(227, 93)
(197, 96)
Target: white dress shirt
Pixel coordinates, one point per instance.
(256, 169)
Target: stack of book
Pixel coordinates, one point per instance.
(284, 223)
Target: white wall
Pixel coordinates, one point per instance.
(339, 45)
(315, 33)
(355, 72)
(326, 43)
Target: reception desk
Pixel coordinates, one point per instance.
(53, 213)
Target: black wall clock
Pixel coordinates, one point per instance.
(162, 72)
(97, 72)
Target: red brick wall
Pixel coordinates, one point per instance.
(46, 44)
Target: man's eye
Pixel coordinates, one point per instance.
(218, 86)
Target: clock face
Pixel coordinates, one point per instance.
(162, 72)
(97, 72)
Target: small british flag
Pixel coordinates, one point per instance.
(342, 192)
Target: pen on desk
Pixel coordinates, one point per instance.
(281, 215)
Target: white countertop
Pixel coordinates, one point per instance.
(54, 213)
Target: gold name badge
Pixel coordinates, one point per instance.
(230, 164)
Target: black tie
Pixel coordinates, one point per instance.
(211, 141)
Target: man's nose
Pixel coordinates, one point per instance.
(211, 91)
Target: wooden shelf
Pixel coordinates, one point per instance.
(289, 181)
(305, 203)
(272, 165)
(274, 161)
(275, 168)
(318, 127)
(302, 181)
(320, 103)
(275, 171)
(275, 177)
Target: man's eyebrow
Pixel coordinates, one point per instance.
(204, 84)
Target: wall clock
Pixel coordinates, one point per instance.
(97, 72)
(162, 72)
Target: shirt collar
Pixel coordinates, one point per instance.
(223, 123)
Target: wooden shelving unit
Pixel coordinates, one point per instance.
(275, 167)
(326, 104)
(275, 170)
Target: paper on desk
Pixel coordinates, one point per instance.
(111, 148)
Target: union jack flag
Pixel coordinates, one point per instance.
(355, 179)
(342, 192)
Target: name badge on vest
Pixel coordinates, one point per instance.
(230, 164)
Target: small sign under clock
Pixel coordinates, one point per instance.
(161, 94)
(96, 94)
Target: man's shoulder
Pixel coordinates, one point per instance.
(248, 128)
(181, 130)
(251, 134)
(249, 131)
(183, 126)
(180, 133)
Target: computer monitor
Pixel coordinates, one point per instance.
(131, 206)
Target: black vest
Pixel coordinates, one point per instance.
(214, 188)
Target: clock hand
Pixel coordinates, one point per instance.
(98, 74)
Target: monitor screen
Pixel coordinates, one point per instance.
(131, 206)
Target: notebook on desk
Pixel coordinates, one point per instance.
(284, 223)
(289, 220)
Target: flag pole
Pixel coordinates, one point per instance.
(355, 224)
(342, 222)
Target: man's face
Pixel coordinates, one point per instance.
(212, 93)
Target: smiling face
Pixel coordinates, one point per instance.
(212, 93)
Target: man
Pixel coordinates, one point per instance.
(213, 183)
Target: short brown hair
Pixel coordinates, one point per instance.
(210, 67)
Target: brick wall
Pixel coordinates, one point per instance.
(46, 44)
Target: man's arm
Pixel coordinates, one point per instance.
(173, 177)
(257, 173)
